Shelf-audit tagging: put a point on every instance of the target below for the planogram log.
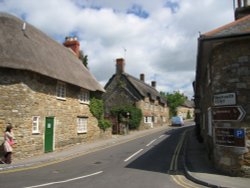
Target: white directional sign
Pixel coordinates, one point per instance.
(224, 99)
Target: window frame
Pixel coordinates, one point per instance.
(82, 127)
(61, 90)
(84, 96)
(35, 123)
(148, 119)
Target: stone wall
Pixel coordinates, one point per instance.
(153, 109)
(24, 95)
(225, 68)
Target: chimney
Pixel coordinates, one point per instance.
(243, 9)
(142, 77)
(120, 64)
(153, 84)
(73, 43)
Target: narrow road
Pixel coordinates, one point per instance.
(146, 162)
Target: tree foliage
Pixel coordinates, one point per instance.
(174, 100)
(97, 109)
(84, 59)
(135, 115)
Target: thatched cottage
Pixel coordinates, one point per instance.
(123, 89)
(44, 90)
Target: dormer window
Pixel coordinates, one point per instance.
(61, 90)
(84, 96)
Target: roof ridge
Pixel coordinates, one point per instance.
(137, 79)
(212, 32)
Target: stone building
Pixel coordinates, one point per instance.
(186, 109)
(44, 90)
(222, 93)
(124, 89)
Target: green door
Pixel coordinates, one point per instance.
(49, 134)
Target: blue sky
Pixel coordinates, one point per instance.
(160, 36)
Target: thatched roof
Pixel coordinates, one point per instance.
(32, 50)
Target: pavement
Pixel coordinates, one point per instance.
(197, 166)
(199, 169)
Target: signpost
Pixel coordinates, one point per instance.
(225, 99)
(234, 137)
(228, 113)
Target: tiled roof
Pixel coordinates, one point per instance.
(239, 26)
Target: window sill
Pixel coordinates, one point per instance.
(60, 98)
(85, 132)
(35, 133)
(81, 102)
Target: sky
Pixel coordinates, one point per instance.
(155, 37)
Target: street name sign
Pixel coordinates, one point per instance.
(225, 99)
(234, 137)
(228, 113)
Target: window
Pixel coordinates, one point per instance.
(84, 96)
(147, 119)
(82, 124)
(61, 90)
(35, 124)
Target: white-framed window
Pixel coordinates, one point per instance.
(35, 125)
(61, 90)
(147, 119)
(84, 96)
(82, 124)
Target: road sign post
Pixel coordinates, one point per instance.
(228, 113)
(234, 137)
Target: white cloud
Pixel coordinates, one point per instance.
(162, 45)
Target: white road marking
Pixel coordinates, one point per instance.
(162, 136)
(65, 181)
(133, 155)
(151, 142)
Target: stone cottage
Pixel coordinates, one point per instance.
(186, 110)
(124, 89)
(222, 93)
(44, 90)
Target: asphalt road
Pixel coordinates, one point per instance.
(146, 162)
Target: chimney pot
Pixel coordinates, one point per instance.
(153, 84)
(120, 64)
(73, 43)
(142, 77)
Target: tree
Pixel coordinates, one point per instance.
(174, 100)
(84, 59)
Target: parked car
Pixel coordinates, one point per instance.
(177, 121)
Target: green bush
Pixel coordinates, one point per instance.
(97, 109)
(135, 115)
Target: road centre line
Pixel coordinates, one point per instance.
(151, 142)
(65, 181)
(161, 136)
(131, 156)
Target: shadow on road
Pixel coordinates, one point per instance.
(158, 158)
